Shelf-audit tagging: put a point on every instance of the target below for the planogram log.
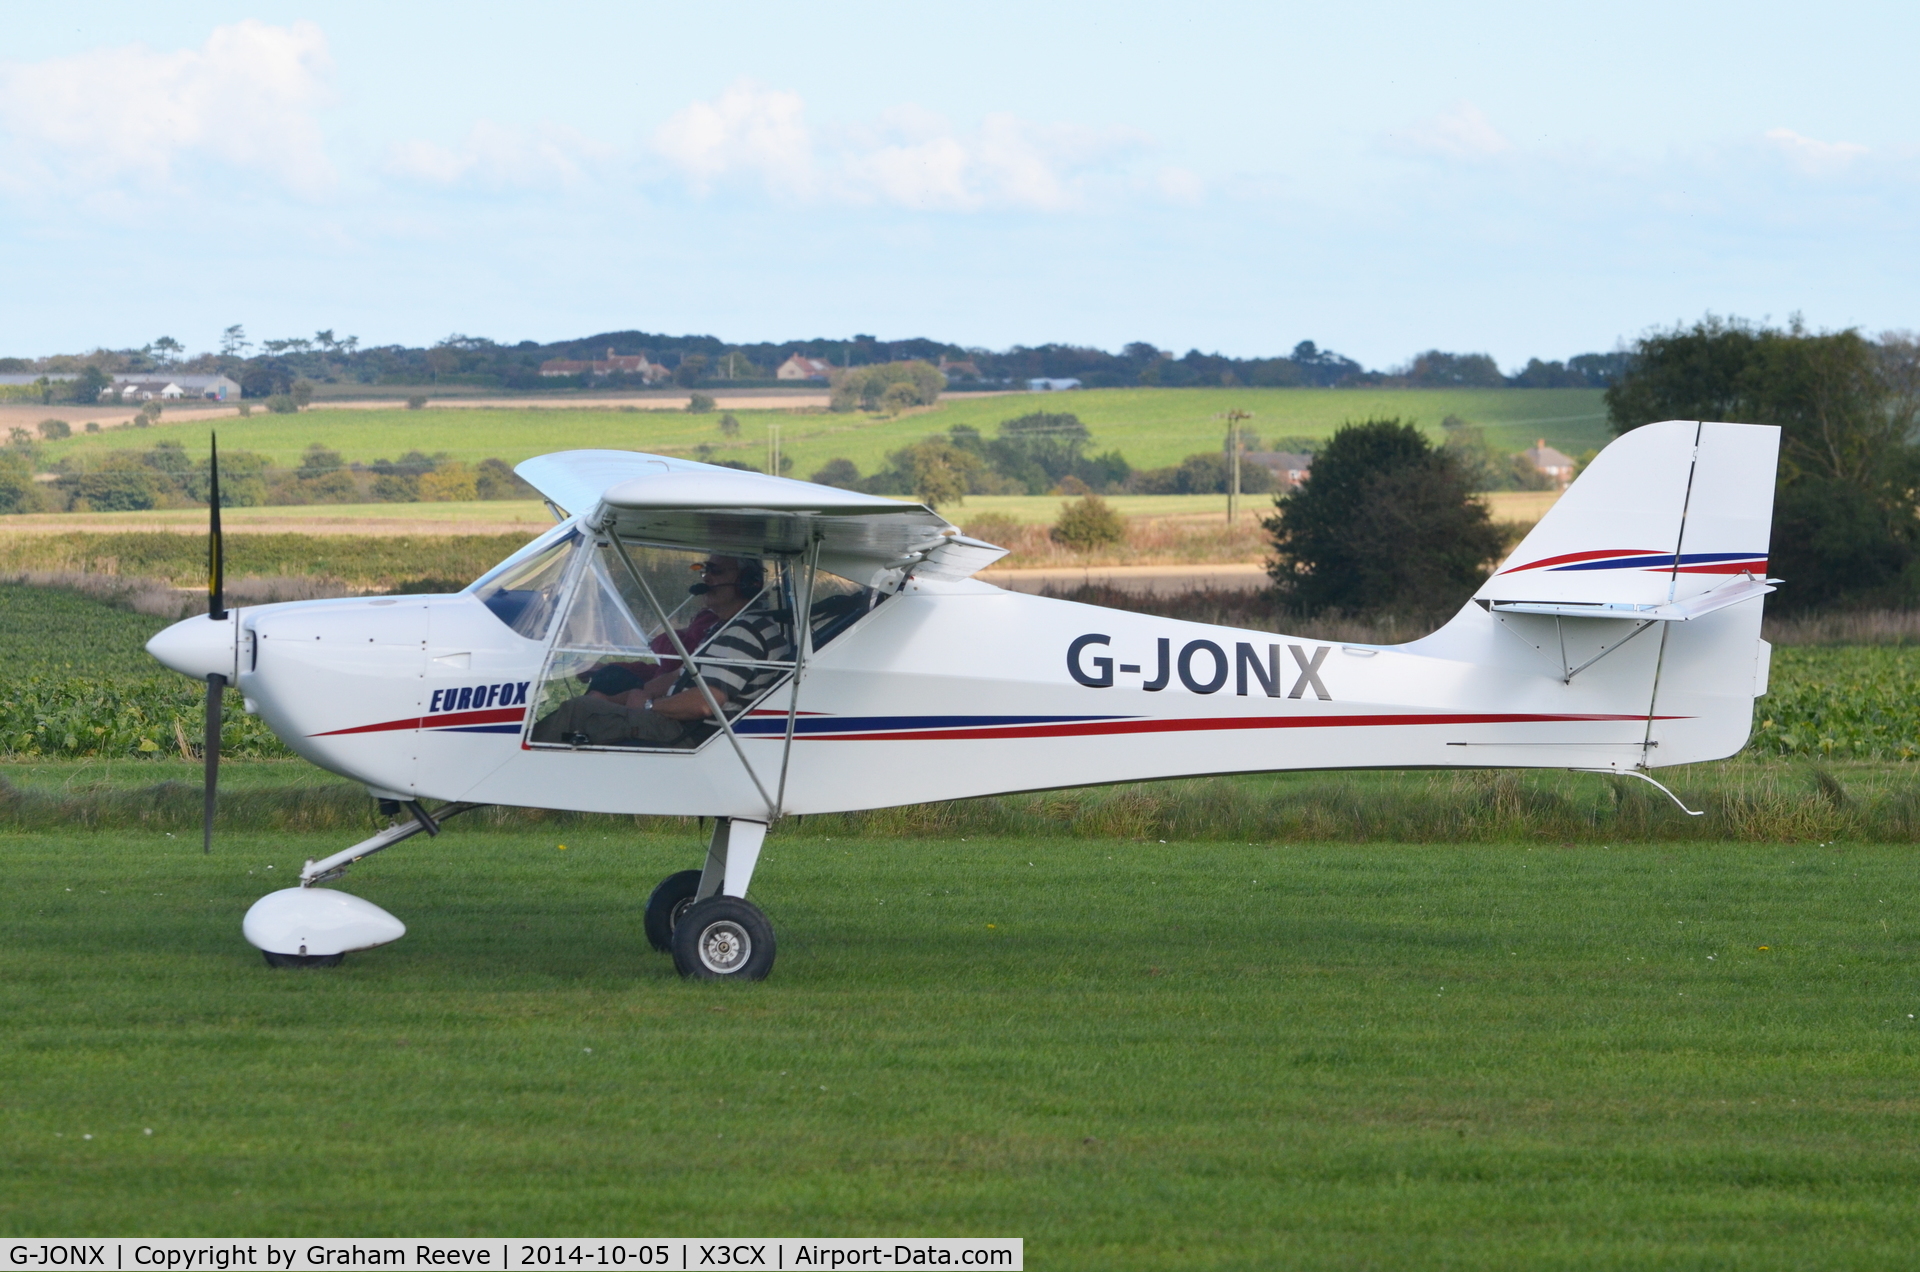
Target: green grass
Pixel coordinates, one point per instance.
(1152, 427)
(1134, 1055)
(411, 562)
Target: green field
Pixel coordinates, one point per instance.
(1151, 427)
(1133, 1054)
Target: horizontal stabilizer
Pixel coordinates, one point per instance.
(1743, 589)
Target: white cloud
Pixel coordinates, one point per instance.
(746, 131)
(909, 157)
(501, 157)
(249, 97)
(1813, 158)
(1180, 185)
(1462, 131)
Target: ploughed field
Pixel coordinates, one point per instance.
(1132, 1053)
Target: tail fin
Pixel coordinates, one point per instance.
(1665, 514)
(1660, 544)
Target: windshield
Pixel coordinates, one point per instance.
(523, 594)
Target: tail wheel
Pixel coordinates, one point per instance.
(723, 938)
(668, 902)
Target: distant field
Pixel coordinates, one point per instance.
(1151, 427)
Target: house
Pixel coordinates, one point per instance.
(637, 364)
(1042, 384)
(1289, 468)
(147, 386)
(1556, 464)
(799, 368)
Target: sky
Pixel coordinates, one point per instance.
(1538, 179)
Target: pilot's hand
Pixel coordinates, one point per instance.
(688, 706)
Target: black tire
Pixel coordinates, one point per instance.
(302, 960)
(668, 902)
(723, 938)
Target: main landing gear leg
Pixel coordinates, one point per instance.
(704, 917)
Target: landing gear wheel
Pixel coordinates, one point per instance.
(301, 960)
(668, 902)
(723, 938)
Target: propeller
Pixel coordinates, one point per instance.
(216, 611)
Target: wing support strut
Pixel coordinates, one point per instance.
(686, 660)
(802, 643)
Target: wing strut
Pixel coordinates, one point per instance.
(686, 660)
(802, 642)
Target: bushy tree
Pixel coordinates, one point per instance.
(1845, 527)
(700, 403)
(54, 430)
(18, 490)
(1384, 522)
(840, 472)
(1088, 523)
(867, 387)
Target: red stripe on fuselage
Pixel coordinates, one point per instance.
(498, 715)
(1108, 727)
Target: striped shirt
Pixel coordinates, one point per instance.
(753, 636)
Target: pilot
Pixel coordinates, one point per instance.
(669, 708)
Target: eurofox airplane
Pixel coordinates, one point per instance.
(837, 654)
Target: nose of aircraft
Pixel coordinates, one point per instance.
(197, 647)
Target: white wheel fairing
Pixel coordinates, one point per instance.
(318, 921)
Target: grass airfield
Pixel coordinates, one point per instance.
(1133, 1054)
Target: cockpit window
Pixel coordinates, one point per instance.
(524, 594)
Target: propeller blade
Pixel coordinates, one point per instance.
(216, 689)
(216, 548)
(217, 611)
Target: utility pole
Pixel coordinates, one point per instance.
(1233, 418)
(773, 449)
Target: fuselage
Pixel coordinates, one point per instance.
(954, 689)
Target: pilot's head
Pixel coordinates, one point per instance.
(729, 580)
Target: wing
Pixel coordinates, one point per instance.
(681, 503)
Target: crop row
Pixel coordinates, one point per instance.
(1833, 703)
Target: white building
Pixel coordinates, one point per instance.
(799, 368)
(146, 386)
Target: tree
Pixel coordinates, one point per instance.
(1088, 523)
(1846, 530)
(865, 387)
(234, 342)
(1434, 369)
(692, 369)
(54, 430)
(936, 471)
(700, 403)
(18, 490)
(843, 473)
(729, 425)
(1384, 522)
(167, 350)
(90, 384)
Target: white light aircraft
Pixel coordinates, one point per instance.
(838, 654)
